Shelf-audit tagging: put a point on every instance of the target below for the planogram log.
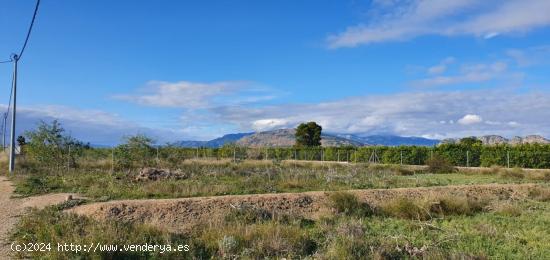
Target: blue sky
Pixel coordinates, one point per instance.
(196, 70)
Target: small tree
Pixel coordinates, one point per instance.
(470, 141)
(49, 144)
(439, 164)
(137, 149)
(308, 134)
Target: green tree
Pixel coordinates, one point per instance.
(49, 145)
(308, 134)
(470, 141)
(136, 150)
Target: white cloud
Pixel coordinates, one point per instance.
(94, 126)
(530, 56)
(468, 73)
(441, 67)
(432, 113)
(408, 114)
(196, 95)
(401, 20)
(470, 119)
(269, 124)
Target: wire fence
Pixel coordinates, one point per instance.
(117, 158)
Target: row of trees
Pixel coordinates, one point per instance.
(49, 145)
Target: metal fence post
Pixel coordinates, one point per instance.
(508, 158)
(112, 160)
(68, 158)
(467, 158)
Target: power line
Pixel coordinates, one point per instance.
(15, 56)
(30, 30)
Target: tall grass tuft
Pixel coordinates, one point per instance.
(347, 204)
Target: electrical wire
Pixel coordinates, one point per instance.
(30, 30)
(18, 57)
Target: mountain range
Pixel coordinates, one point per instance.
(285, 137)
(497, 139)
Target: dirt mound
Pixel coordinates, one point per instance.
(153, 174)
(179, 215)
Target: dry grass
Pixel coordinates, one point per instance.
(540, 194)
(428, 207)
(507, 209)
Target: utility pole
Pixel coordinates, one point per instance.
(12, 144)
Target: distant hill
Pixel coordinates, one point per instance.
(285, 138)
(497, 139)
(214, 143)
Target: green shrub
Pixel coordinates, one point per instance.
(439, 164)
(347, 204)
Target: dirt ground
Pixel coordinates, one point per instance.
(179, 215)
(13, 208)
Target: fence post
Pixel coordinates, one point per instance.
(112, 160)
(234, 154)
(68, 158)
(338, 153)
(322, 155)
(467, 158)
(401, 157)
(508, 158)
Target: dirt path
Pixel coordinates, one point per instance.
(180, 215)
(13, 208)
